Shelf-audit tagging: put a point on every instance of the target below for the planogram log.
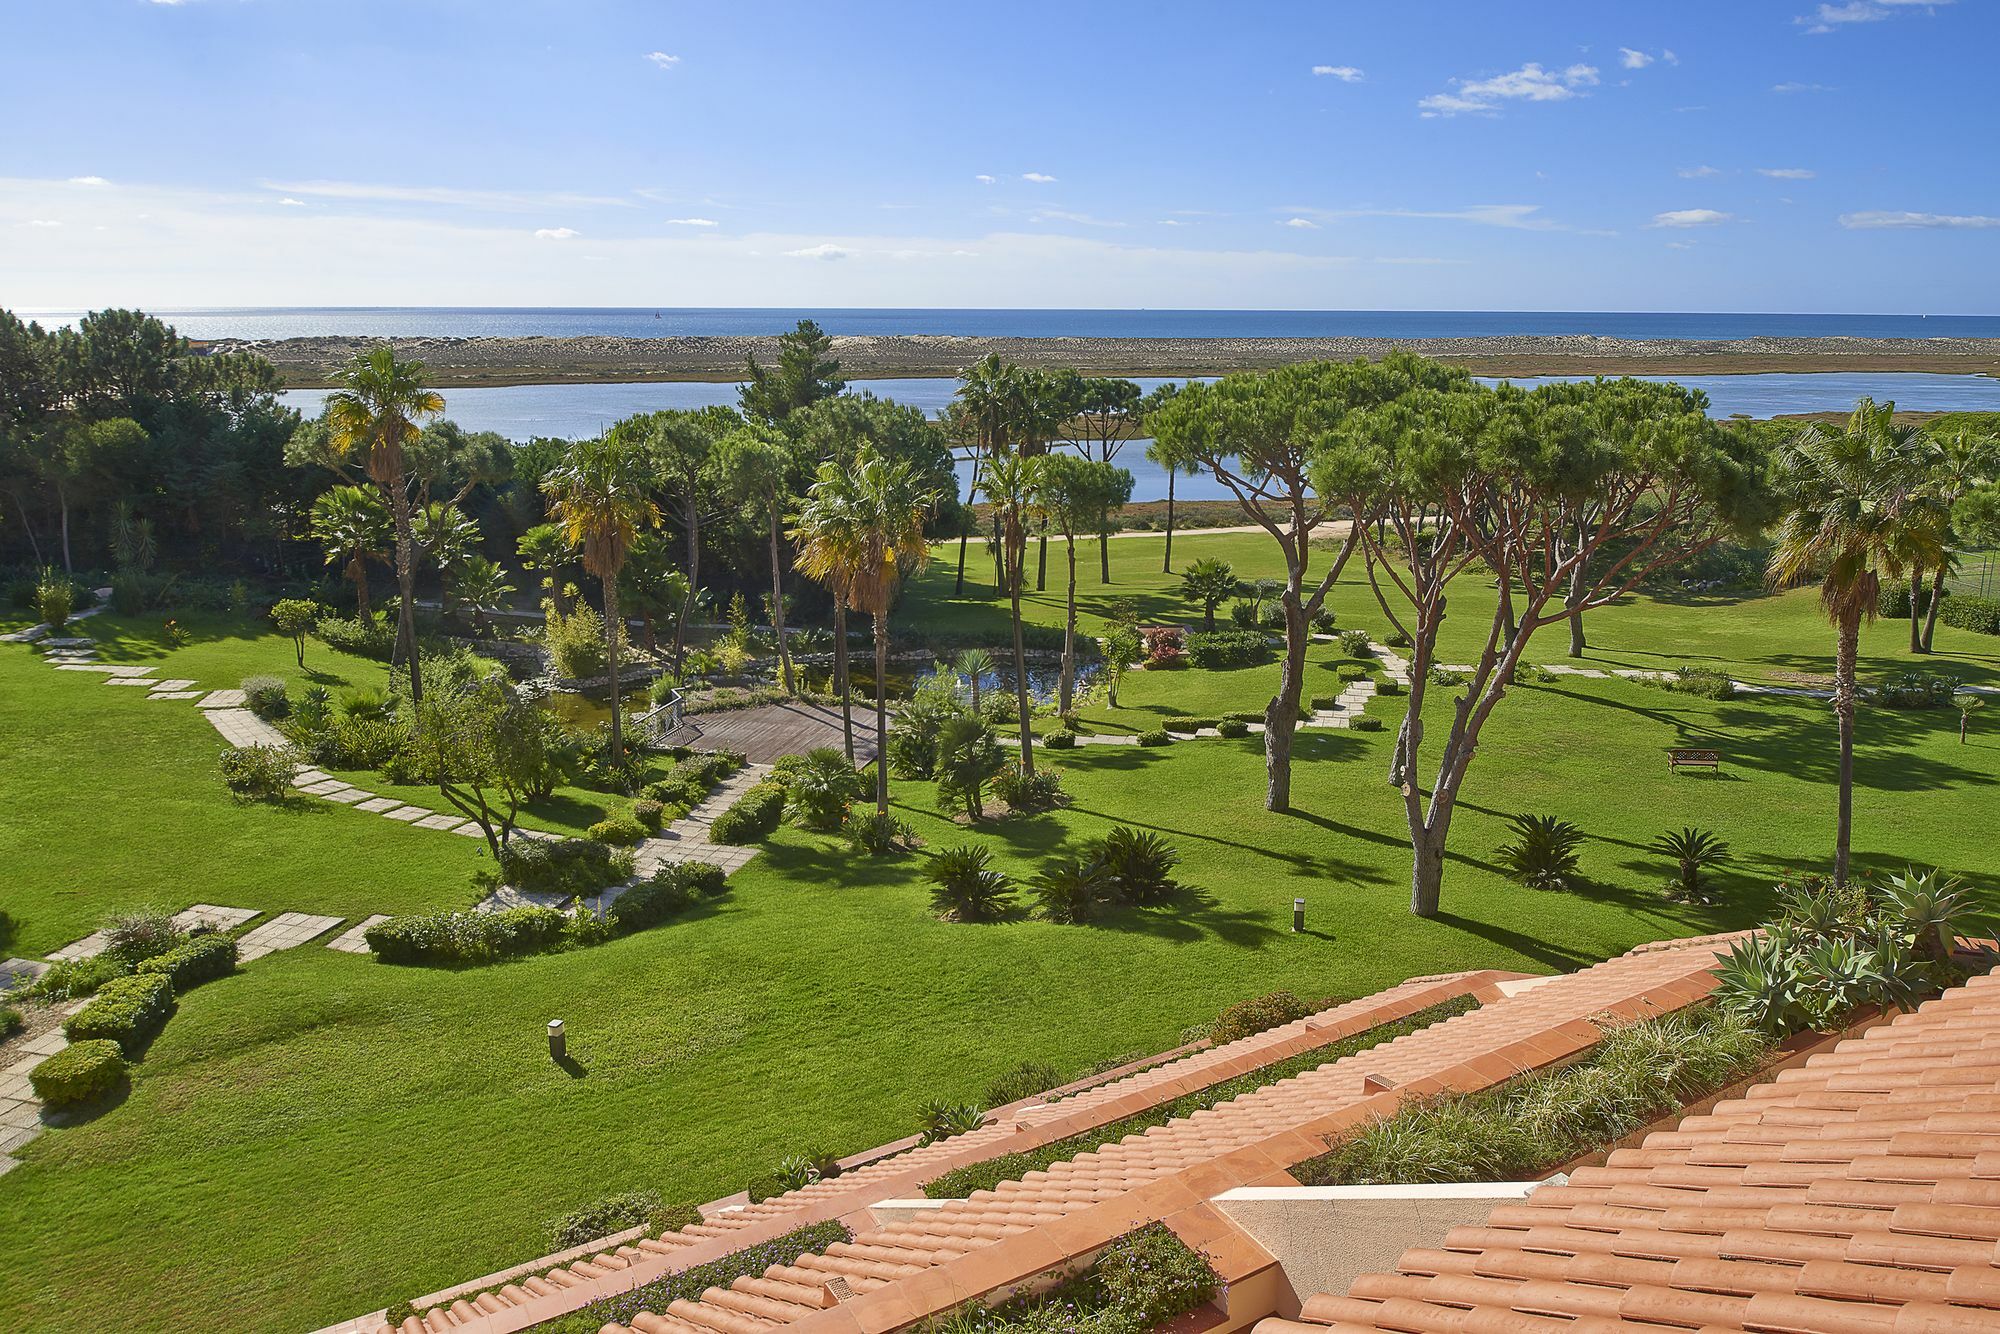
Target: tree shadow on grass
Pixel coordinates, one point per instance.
(77, 1114)
(1533, 947)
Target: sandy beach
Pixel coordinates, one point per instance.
(308, 362)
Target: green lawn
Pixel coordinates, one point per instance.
(322, 1134)
(222, 649)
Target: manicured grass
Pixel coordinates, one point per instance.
(222, 649)
(322, 1134)
(113, 801)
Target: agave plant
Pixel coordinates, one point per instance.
(1757, 982)
(1694, 851)
(942, 1119)
(965, 885)
(1933, 909)
(797, 1171)
(1543, 853)
(1817, 909)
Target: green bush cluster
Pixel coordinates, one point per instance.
(200, 960)
(1227, 648)
(370, 637)
(1038, 791)
(459, 939)
(1126, 866)
(1703, 682)
(754, 815)
(650, 814)
(1364, 723)
(1233, 727)
(689, 1284)
(126, 1010)
(1141, 1281)
(1156, 736)
(1060, 739)
(81, 1072)
(688, 782)
(1353, 671)
(1246, 1017)
(259, 773)
(620, 831)
(1913, 690)
(563, 866)
(615, 1213)
(667, 893)
(1981, 615)
(265, 696)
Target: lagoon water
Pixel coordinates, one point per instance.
(572, 410)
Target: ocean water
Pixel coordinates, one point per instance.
(571, 410)
(662, 322)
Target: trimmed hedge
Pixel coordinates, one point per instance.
(1061, 739)
(1981, 615)
(563, 866)
(1227, 648)
(650, 814)
(670, 891)
(126, 1010)
(81, 1072)
(202, 959)
(618, 830)
(1156, 737)
(451, 939)
(753, 817)
(1364, 723)
(1232, 728)
(1190, 724)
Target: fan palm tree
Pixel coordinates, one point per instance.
(481, 585)
(975, 665)
(1013, 485)
(447, 537)
(859, 532)
(1854, 514)
(374, 414)
(598, 495)
(654, 588)
(1959, 461)
(353, 526)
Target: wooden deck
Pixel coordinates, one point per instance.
(770, 731)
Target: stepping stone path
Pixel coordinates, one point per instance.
(89, 947)
(213, 917)
(240, 727)
(223, 699)
(20, 1110)
(282, 932)
(20, 972)
(352, 941)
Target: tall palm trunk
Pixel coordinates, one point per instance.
(611, 638)
(1042, 559)
(1069, 633)
(778, 602)
(1104, 552)
(694, 586)
(964, 532)
(406, 583)
(1843, 712)
(1931, 612)
(357, 570)
(1167, 561)
(1017, 560)
(1917, 644)
(62, 497)
(840, 686)
(882, 712)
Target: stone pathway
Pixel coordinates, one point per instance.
(352, 940)
(282, 932)
(40, 633)
(20, 1110)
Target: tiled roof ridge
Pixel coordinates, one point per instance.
(634, 1257)
(902, 1272)
(1855, 1193)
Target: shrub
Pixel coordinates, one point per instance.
(1444, 676)
(454, 939)
(127, 1010)
(265, 696)
(1155, 737)
(202, 959)
(753, 816)
(1353, 671)
(1354, 643)
(942, 1120)
(873, 834)
(81, 1072)
(821, 786)
(1192, 725)
(1023, 1081)
(1388, 685)
(1543, 854)
(1364, 723)
(1060, 739)
(259, 773)
(73, 979)
(1704, 682)
(1324, 621)
(620, 831)
(762, 1187)
(1693, 851)
(1139, 864)
(1233, 727)
(11, 1022)
(1025, 792)
(562, 866)
(369, 637)
(650, 814)
(1244, 614)
(667, 893)
(141, 934)
(965, 885)
(615, 1213)
(575, 641)
(1228, 648)
(1246, 715)
(1071, 889)
(1913, 690)
(54, 599)
(1323, 703)
(1257, 1014)
(294, 618)
(1166, 648)
(1981, 615)
(1892, 601)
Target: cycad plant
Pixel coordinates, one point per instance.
(822, 787)
(1693, 851)
(965, 884)
(1070, 889)
(1543, 854)
(968, 756)
(1139, 863)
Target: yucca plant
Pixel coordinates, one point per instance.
(1543, 853)
(942, 1119)
(1694, 851)
(965, 885)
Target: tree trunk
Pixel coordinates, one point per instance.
(1167, 561)
(357, 570)
(1843, 712)
(29, 529)
(1931, 612)
(1042, 560)
(694, 587)
(1917, 644)
(964, 532)
(1427, 874)
(1574, 602)
(778, 603)
(1281, 715)
(62, 498)
(1068, 683)
(1019, 562)
(881, 713)
(611, 638)
(840, 686)
(406, 584)
(1104, 555)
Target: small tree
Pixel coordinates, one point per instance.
(968, 756)
(1121, 648)
(487, 750)
(295, 617)
(1967, 704)
(1208, 583)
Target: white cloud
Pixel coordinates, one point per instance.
(43, 222)
(1168, 222)
(1670, 57)
(1884, 221)
(1631, 59)
(825, 250)
(1701, 173)
(983, 178)
(88, 180)
(554, 233)
(1787, 173)
(290, 202)
(1520, 217)
(1038, 178)
(506, 201)
(1530, 83)
(1064, 215)
(1300, 222)
(691, 222)
(1345, 73)
(1680, 245)
(1691, 217)
(662, 59)
(1801, 88)
(1831, 17)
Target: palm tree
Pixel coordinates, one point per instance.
(987, 406)
(1854, 514)
(351, 523)
(481, 585)
(598, 494)
(1959, 463)
(447, 537)
(544, 550)
(974, 664)
(1013, 485)
(654, 588)
(375, 412)
(860, 530)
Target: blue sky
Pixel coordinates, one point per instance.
(1762, 155)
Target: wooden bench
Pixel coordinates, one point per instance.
(1694, 759)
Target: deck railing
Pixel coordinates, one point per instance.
(661, 721)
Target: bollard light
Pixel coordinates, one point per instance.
(1298, 915)
(558, 1042)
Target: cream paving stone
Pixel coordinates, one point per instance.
(14, 1139)
(348, 796)
(213, 916)
(441, 821)
(471, 829)
(16, 1115)
(175, 694)
(101, 668)
(46, 1044)
(89, 947)
(324, 786)
(409, 813)
(352, 941)
(179, 683)
(223, 699)
(305, 777)
(8, 1164)
(127, 681)
(15, 1088)
(282, 932)
(376, 805)
(240, 727)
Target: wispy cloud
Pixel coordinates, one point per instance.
(506, 201)
(1345, 73)
(1039, 178)
(825, 250)
(691, 222)
(555, 233)
(1519, 217)
(1631, 59)
(1787, 173)
(1530, 83)
(88, 180)
(1691, 217)
(1064, 215)
(1831, 17)
(662, 59)
(44, 222)
(1789, 88)
(1303, 223)
(984, 179)
(290, 202)
(1886, 221)
(1700, 173)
